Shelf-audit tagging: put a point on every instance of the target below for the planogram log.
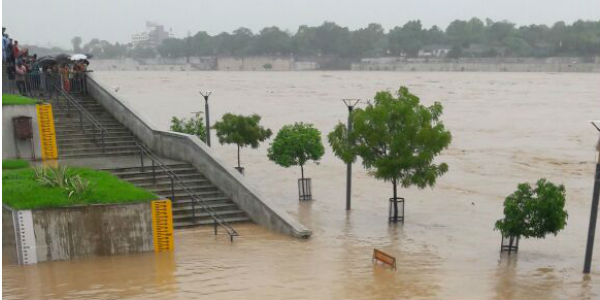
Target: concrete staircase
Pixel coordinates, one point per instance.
(73, 142)
(211, 196)
(76, 141)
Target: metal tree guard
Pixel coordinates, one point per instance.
(594, 211)
(509, 243)
(350, 103)
(205, 94)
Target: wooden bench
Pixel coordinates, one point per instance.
(385, 258)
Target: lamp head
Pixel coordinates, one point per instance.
(351, 103)
(205, 94)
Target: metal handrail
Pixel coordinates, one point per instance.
(83, 112)
(195, 199)
(155, 161)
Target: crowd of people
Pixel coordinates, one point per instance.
(40, 77)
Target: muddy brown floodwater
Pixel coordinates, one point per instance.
(507, 128)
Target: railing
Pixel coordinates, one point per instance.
(98, 131)
(175, 179)
(156, 161)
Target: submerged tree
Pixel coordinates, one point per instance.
(397, 139)
(242, 131)
(194, 126)
(295, 145)
(534, 212)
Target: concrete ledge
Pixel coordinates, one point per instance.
(192, 150)
(68, 232)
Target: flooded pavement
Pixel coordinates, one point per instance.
(507, 128)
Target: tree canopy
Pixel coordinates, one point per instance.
(295, 145)
(397, 139)
(534, 212)
(468, 38)
(241, 130)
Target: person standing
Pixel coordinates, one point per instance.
(20, 77)
(64, 73)
(15, 49)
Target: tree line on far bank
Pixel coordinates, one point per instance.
(472, 38)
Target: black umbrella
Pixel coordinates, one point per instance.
(63, 58)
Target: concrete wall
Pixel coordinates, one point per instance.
(8, 138)
(69, 232)
(191, 149)
(9, 245)
(65, 233)
(477, 67)
(154, 64)
(257, 63)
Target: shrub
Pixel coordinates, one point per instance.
(530, 212)
(194, 126)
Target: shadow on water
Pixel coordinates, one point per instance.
(513, 281)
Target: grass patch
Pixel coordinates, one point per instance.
(10, 99)
(20, 190)
(10, 164)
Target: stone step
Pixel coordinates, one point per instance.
(185, 224)
(214, 206)
(90, 141)
(111, 134)
(86, 125)
(181, 202)
(184, 196)
(138, 169)
(94, 154)
(88, 147)
(182, 173)
(203, 189)
(75, 130)
(201, 213)
(166, 183)
(64, 118)
(87, 138)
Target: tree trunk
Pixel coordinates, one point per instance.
(394, 183)
(238, 156)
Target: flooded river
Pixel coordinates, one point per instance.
(507, 128)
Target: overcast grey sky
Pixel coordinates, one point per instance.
(55, 22)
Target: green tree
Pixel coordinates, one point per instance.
(194, 126)
(407, 39)
(295, 145)
(397, 139)
(534, 212)
(272, 41)
(369, 42)
(242, 131)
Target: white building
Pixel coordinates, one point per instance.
(154, 35)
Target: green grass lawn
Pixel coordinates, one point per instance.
(10, 164)
(10, 99)
(20, 190)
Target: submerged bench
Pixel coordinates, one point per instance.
(385, 258)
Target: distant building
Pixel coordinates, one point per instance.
(154, 35)
(434, 51)
(255, 63)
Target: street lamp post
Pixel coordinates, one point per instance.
(594, 211)
(350, 103)
(205, 95)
